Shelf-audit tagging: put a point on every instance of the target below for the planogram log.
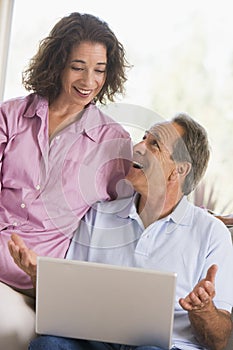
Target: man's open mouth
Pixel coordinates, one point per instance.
(137, 165)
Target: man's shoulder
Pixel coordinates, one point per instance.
(206, 221)
(116, 206)
(110, 210)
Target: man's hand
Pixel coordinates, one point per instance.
(24, 257)
(210, 325)
(201, 296)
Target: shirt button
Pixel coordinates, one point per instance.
(57, 137)
(14, 224)
(38, 187)
(22, 205)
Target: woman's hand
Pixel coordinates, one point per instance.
(24, 257)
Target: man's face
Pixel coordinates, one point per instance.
(152, 162)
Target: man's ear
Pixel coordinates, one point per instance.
(184, 168)
(174, 175)
(180, 170)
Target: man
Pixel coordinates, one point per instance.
(158, 228)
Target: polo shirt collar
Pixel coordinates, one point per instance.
(182, 214)
(124, 207)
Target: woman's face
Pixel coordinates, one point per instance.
(85, 73)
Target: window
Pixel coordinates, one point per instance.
(182, 56)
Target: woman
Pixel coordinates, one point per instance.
(59, 154)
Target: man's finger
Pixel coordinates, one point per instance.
(211, 273)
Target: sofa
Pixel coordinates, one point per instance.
(230, 343)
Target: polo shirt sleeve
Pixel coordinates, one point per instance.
(79, 246)
(221, 253)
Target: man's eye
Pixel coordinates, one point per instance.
(154, 143)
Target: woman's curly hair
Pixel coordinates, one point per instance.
(43, 75)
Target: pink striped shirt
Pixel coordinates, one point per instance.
(47, 185)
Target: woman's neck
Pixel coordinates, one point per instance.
(62, 115)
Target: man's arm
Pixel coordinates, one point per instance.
(211, 326)
(24, 257)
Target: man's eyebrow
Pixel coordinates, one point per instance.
(83, 62)
(154, 133)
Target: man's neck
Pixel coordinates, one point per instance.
(153, 209)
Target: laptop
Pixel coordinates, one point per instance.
(102, 302)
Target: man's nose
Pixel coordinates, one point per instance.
(140, 148)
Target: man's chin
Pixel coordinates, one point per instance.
(134, 175)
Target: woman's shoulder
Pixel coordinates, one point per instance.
(101, 126)
(96, 119)
(20, 102)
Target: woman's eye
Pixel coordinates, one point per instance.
(100, 71)
(77, 68)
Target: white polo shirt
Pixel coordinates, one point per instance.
(188, 242)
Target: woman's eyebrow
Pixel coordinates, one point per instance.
(78, 61)
(83, 62)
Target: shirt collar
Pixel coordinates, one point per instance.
(92, 121)
(128, 206)
(182, 214)
(88, 123)
(37, 105)
(119, 207)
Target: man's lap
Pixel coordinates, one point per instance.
(60, 343)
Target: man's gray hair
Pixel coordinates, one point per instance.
(192, 147)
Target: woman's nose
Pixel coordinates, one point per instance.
(89, 79)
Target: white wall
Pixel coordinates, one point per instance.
(6, 11)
